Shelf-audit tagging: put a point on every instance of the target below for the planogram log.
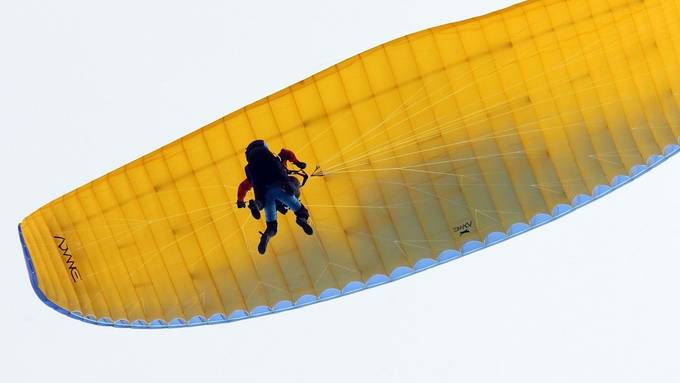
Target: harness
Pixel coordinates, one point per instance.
(264, 169)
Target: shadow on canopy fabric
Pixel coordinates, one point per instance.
(431, 146)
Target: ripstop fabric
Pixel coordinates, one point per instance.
(426, 143)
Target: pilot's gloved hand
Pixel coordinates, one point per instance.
(240, 204)
(301, 164)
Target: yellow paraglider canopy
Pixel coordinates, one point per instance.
(441, 141)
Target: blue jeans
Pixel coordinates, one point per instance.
(273, 194)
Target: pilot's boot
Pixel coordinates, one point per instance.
(268, 233)
(301, 219)
(281, 208)
(254, 209)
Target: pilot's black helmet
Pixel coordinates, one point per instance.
(253, 145)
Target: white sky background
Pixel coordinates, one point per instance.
(85, 88)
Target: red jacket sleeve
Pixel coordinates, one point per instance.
(243, 189)
(287, 155)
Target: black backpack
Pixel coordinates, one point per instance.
(264, 169)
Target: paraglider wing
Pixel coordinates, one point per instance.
(430, 147)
